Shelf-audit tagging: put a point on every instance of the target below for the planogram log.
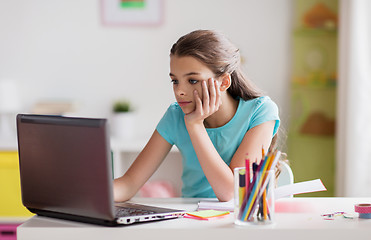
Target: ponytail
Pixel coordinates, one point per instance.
(241, 87)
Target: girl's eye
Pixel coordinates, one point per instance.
(191, 81)
(174, 81)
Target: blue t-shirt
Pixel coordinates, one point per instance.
(226, 139)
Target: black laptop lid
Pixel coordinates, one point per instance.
(65, 165)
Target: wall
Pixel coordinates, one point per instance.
(59, 50)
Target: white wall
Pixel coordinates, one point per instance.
(60, 50)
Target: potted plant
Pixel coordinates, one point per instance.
(121, 106)
(123, 120)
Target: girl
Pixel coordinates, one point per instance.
(218, 117)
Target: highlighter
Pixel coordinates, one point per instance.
(242, 186)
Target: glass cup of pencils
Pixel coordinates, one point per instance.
(254, 201)
(254, 191)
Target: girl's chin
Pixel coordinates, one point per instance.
(187, 110)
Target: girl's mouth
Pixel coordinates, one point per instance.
(184, 103)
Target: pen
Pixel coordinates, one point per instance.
(242, 186)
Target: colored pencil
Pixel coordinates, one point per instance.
(258, 186)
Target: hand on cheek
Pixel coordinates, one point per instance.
(207, 104)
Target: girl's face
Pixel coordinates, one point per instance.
(186, 74)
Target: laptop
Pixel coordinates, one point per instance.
(66, 172)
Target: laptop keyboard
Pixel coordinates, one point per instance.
(124, 212)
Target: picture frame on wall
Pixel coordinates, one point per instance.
(131, 12)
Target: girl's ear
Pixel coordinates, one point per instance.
(225, 82)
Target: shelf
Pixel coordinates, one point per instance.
(313, 157)
(311, 137)
(315, 32)
(303, 87)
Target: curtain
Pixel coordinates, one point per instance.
(353, 160)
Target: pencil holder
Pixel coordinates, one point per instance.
(254, 200)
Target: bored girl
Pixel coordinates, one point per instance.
(217, 118)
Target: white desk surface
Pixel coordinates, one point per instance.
(296, 218)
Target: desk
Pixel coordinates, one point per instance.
(296, 219)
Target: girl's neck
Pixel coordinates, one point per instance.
(225, 113)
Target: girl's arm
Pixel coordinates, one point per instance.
(217, 172)
(142, 168)
(251, 146)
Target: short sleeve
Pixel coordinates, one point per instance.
(166, 125)
(266, 110)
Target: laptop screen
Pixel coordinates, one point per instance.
(65, 165)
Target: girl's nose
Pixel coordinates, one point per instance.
(180, 90)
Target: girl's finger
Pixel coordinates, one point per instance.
(198, 102)
(212, 93)
(218, 100)
(205, 97)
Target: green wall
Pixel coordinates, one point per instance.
(311, 137)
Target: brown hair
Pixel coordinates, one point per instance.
(220, 56)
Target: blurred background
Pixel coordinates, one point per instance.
(64, 51)
(86, 57)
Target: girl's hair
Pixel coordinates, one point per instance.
(215, 51)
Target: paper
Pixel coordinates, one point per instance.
(206, 214)
(216, 205)
(280, 192)
(298, 188)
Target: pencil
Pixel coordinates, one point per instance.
(247, 175)
(265, 204)
(249, 190)
(253, 195)
(259, 184)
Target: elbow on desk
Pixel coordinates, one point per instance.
(121, 192)
(225, 197)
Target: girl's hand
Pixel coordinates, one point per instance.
(210, 103)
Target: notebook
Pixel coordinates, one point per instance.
(66, 172)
